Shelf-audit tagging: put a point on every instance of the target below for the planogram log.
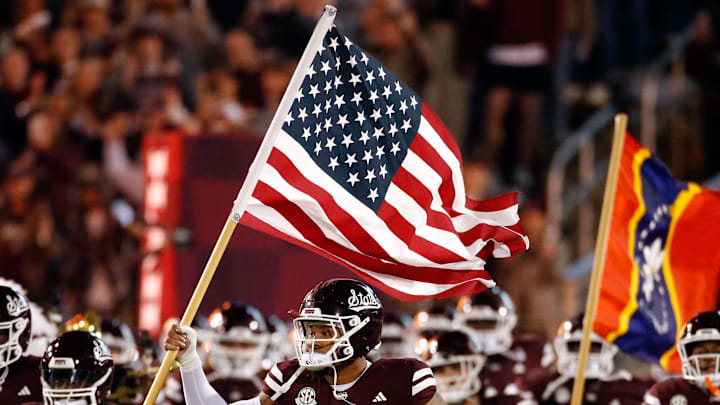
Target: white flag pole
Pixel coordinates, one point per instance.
(323, 25)
(326, 21)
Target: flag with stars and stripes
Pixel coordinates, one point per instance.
(364, 173)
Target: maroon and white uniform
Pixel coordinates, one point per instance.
(500, 375)
(235, 389)
(232, 389)
(387, 381)
(620, 388)
(20, 382)
(678, 391)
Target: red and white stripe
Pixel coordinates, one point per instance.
(427, 239)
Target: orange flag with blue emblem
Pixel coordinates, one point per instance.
(662, 265)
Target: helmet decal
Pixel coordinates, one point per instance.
(100, 351)
(359, 302)
(16, 305)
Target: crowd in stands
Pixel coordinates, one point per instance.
(81, 81)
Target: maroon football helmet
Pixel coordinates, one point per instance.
(281, 347)
(490, 317)
(120, 339)
(238, 340)
(343, 312)
(396, 339)
(438, 317)
(456, 359)
(76, 366)
(15, 323)
(698, 348)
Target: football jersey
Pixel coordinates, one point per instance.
(620, 388)
(501, 372)
(20, 382)
(236, 389)
(232, 389)
(678, 391)
(386, 381)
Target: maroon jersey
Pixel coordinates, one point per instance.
(20, 382)
(235, 389)
(678, 391)
(620, 388)
(501, 371)
(387, 381)
(232, 389)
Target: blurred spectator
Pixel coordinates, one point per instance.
(274, 81)
(283, 26)
(83, 121)
(126, 175)
(703, 66)
(102, 258)
(391, 32)
(30, 246)
(514, 54)
(66, 46)
(245, 61)
(476, 176)
(19, 92)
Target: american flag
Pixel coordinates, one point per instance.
(364, 173)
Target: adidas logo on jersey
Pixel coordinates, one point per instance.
(380, 397)
(25, 391)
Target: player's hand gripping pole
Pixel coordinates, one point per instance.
(600, 250)
(323, 25)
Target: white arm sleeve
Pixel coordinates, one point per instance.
(198, 390)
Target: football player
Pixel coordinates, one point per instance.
(395, 336)
(339, 322)
(44, 325)
(438, 317)
(120, 339)
(237, 340)
(603, 385)
(19, 374)
(456, 359)
(129, 384)
(490, 317)
(699, 349)
(281, 347)
(77, 369)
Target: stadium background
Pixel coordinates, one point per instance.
(92, 217)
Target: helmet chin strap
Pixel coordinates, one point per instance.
(340, 396)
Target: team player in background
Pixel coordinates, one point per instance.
(604, 385)
(77, 368)
(456, 359)
(44, 322)
(699, 349)
(339, 322)
(132, 374)
(490, 317)
(19, 374)
(237, 341)
(396, 339)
